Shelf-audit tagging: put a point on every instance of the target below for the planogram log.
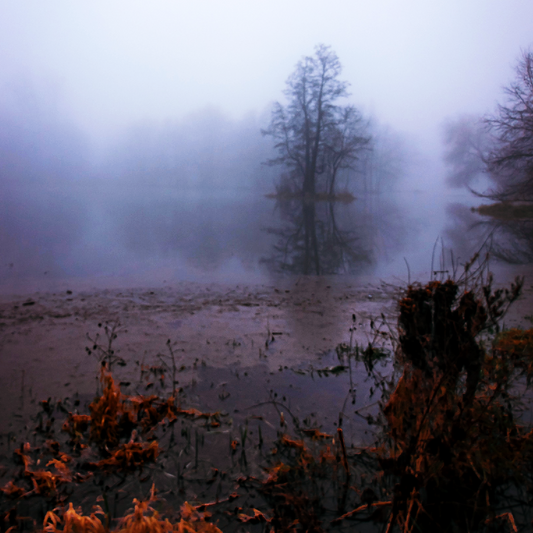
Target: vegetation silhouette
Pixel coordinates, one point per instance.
(499, 145)
(315, 137)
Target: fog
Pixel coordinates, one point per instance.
(131, 145)
(113, 64)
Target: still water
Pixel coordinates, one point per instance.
(108, 236)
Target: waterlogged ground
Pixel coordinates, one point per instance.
(44, 336)
(261, 356)
(217, 328)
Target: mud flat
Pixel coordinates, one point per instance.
(44, 336)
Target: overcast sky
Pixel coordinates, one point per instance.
(411, 63)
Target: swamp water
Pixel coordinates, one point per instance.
(105, 237)
(86, 240)
(102, 237)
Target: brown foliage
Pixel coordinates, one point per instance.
(129, 456)
(141, 519)
(451, 433)
(110, 416)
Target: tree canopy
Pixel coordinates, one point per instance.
(511, 157)
(499, 145)
(314, 136)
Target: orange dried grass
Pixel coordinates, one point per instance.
(74, 521)
(129, 456)
(107, 412)
(143, 518)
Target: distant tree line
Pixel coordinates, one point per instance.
(498, 146)
(38, 142)
(320, 142)
(205, 150)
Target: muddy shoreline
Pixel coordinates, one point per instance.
(44, 336)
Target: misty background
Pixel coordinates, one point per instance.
(131, 150)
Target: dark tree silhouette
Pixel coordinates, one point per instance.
(312, 134)
(499, 146)
(510, 161)
(344, 140)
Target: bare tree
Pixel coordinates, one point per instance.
(510, 162)
(345, 140)
(467, 142)
(308, 131)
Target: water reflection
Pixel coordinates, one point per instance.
(114, 236)
(318, 238)
(514, 241)
(510, 241)
(197, 231)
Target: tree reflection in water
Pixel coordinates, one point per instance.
(512, 240)
(509, 240)
(312, 241)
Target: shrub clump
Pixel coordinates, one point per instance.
(452, 443)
